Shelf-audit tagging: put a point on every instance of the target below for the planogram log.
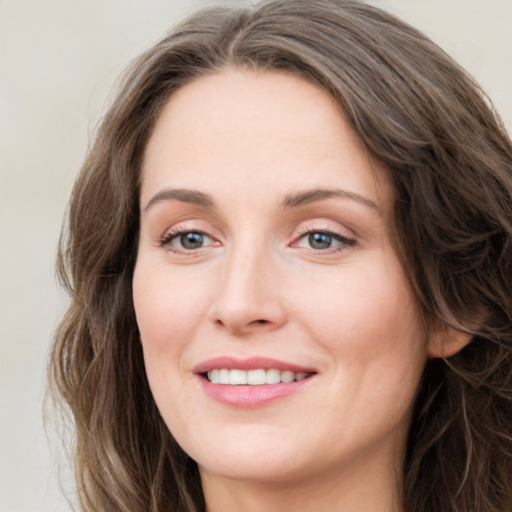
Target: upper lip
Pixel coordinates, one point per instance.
(252, 363)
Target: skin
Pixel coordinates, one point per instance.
(256, 287)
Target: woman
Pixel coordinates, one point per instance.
(289, 259)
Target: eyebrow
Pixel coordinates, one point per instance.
(310, 196)
(183, 195)
(292, 200)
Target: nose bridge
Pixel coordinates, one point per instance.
(246, 296)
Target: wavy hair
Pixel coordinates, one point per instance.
(450, 163)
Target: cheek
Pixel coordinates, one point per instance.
(374, 305)
(168, 307)
(369, 322)
(168, 310)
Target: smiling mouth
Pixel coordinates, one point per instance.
(252, 383)
(256, 377)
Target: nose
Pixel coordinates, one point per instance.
(247, 297)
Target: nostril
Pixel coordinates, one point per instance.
(261, 321)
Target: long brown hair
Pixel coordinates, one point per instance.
(450, 163)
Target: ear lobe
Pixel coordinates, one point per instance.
(445, 341)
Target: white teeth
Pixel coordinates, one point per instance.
(237, 377)
(273, 377)
(224, 376)
(253, 377)
(287, 376)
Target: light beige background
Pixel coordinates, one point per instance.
(58, 60)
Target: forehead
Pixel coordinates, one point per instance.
(260, 128)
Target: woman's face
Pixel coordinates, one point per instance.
(265, 256)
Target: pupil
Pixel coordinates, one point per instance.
(191, 240)
(320, 240)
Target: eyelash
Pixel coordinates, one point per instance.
(344, 242)
(166, 240)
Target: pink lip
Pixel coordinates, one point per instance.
(252, 363)
(247, 396)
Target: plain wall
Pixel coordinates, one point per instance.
(58, 60)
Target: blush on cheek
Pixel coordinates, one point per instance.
(154, 315)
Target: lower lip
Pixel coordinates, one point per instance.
(247, 396)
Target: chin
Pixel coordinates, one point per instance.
(266, 469)
(252, 454)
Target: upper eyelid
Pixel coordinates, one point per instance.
(324, 226)
(163, 218)
(191, 225)
(172, 233)
(333, 234)
(329, 232)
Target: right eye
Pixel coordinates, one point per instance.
(183, 241)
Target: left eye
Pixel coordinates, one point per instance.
(321, 240)
(188, 240)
